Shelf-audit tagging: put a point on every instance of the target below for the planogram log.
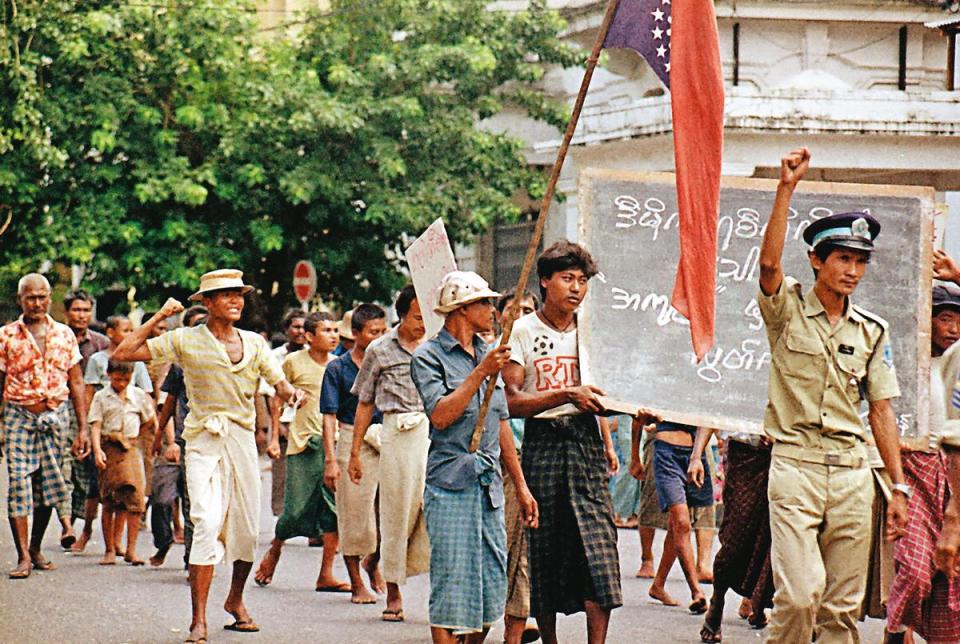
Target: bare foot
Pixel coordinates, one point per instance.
(645, 571)
(362, 596)
(377, 582)
(268, 565)
(81, 543)
(198, 633)
(178, 536)
(109, 558)
(743, 612)
(132, 559)
(705, 576)
(662, 596)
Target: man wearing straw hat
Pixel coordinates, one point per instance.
(463, 499)
(221, 366)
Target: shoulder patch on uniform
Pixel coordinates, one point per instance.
(888, 355)
(873, 317)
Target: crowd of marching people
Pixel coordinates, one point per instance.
(383, 453)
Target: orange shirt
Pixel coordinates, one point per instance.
(32, 377)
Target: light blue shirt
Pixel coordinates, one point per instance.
(439, 366)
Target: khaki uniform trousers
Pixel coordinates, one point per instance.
(820, 525)
(357, 504)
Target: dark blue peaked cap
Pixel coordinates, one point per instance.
(856, 230)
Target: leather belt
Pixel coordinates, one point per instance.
(853, 458)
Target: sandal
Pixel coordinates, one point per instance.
(392, 615)
(342, 587)
(43, 564)
(710, 634)
(245, 626)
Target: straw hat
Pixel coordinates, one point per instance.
(460, 288)
(345, 328)
(220, 280)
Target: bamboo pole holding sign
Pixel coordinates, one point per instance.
(545, 206)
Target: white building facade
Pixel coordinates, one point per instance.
(871, 87)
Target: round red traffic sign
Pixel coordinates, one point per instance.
(304, 281)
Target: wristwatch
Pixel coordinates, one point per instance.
(903, 488)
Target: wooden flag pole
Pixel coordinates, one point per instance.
(6, 224)
(545, 206)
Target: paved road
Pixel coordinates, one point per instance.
(83, 602)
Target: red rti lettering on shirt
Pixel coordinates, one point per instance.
(555, 372)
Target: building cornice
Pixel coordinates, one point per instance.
(778, 111)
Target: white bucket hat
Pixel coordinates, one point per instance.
(225, 278)
(460, 288)
(345, 327)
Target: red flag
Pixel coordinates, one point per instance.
(696, 89)
(679, 38)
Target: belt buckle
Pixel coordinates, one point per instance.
(832, 459)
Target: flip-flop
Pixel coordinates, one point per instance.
(67, 541)
(392, 615)
(43, 564)
(342, 587)
(710, 634)
(698, 606)
(19, 574)
(245, 626)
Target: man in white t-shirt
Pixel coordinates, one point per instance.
(566, 458)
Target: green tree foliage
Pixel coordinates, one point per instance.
(150, 143)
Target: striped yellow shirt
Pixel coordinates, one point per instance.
(215, 386)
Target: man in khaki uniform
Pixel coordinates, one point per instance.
(827, 356)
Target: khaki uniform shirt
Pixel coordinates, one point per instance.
(949, 364)
(820, 373)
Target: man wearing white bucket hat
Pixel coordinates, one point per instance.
(221, 366)
(463, 499)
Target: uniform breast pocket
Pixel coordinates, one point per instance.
(800, 356)
(853, 371)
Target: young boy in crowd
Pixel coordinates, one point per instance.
(95, 378)
(308, 505)
(117, 415)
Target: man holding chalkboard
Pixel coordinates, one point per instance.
(574, 565)
(827, 356)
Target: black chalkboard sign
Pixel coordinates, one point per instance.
(637, 348)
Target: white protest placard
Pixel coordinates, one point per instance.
(429, 258)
